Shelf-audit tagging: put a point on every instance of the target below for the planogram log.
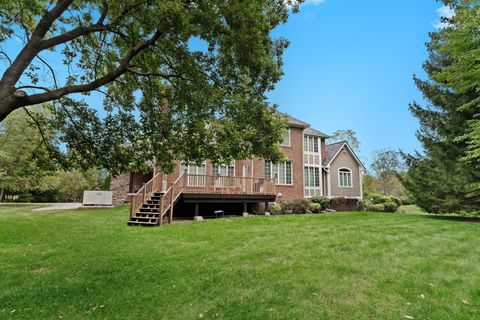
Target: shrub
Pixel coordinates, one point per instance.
(406, 201)
(315, 207)
(376, 207)
(339, 201)
(378, 199)
(274, 208)
(300, 205)
(324, 202)
(285, 205)
(390, 207)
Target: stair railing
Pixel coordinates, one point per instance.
(142, 195)
(167, 201)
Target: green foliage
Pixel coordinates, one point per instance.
(375, 207)
(315, 207)
(323, 201)
(390, 206)
(24, 163)
(460, 43)
(179, 79)
(386, 165)
(274, 208)
(299, 205)
(441, 180)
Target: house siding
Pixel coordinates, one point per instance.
(345, 160)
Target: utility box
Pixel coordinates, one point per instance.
(98, 198)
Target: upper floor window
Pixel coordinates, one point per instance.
(345, 177)
(286, 138)
(282, 170)
(224, 170)
(310, 144)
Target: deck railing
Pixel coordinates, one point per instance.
(194, 183)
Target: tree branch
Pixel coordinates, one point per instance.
(122, 68)
(31, 49)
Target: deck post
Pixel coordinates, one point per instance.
(170, 218)
(197, 205)
(245, 212)
(185, 179)
(144, 193)
(160, 212)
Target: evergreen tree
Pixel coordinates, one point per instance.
(440, 179)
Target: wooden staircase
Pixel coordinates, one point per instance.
(150, 207)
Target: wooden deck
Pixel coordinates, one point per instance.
(150, 205)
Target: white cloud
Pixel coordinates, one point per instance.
(446, 12)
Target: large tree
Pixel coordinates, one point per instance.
(443, 178)
(179, 78)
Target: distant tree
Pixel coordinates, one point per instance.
(445, 177)
(180, 79)
(386, 165)
(22, 153)
(347, 135)
(368, 185)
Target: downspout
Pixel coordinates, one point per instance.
(361, 182)
(329, 183)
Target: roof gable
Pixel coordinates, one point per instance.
(334, 149)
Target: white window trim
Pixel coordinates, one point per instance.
(231, 164)
(289, 139)
(351, 177)
(271, 171)
(319, 144)
(319, 176)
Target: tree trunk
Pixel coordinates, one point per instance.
(2, 191)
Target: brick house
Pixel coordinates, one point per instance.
(311, 168)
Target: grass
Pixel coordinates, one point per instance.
(88, 264)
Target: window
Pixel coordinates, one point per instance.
(286, 139)
(312, 176)
(283, 171)
(196, 173)
(310, 144)
(224, 170)
(345, 177)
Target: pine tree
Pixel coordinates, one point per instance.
(441, 180)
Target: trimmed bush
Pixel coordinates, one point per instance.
(376, 207)
(274, 208)
(300, 205)
(324, 202)
(285, 206)
(390, 207)
(315, 207)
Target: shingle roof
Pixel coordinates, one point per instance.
(314, 132)
(294, 122)
(332, 150)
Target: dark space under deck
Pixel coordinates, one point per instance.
(231, 204)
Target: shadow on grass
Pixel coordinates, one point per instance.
(452, 218)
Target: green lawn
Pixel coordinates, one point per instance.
(89, 264)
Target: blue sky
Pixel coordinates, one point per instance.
(350, 65)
